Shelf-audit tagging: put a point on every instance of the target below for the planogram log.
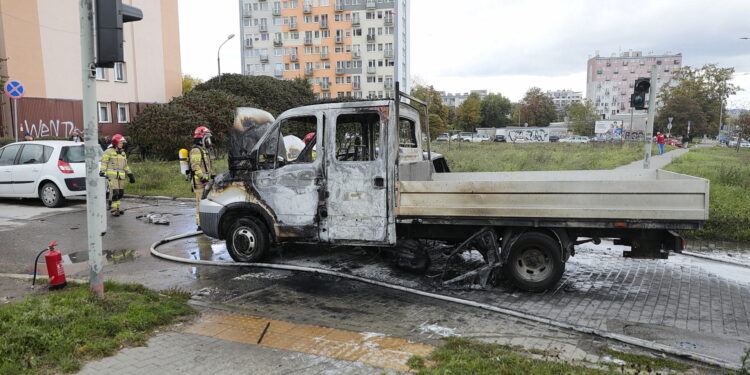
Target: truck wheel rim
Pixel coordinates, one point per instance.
(534, 265)
(244, 241)
(49, 194)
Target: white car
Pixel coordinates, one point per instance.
(575, 139)
(48, 170)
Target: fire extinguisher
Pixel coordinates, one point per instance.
(55, 271)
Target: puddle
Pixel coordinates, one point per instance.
(119, 256)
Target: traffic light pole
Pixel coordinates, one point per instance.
(653, 90)
(95, 200)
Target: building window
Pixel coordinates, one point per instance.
(101, 74)
(120, 72)
(123, 113)
(104, 113)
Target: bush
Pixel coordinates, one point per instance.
(217, 108)
(160, 131)
(268, 93)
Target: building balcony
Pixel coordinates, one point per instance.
(293, 25)
(339, 70)
(263, 27)
(339, 39)
(248, 43)
(325, 86)
(278, 43)
(371, 70)
(276, 11)
(324, 23)
(278, 73)
(308, 71)
(308, 41)
(355, 20)
(247, 13)
(371, 4)
(357, 85)
(324, 55)
(293, 57)
(370, 38)
(388, 84)
(339, 6)
(307, 8)
(388, 21)
(356, 54)
(263, 58)
(388, 53)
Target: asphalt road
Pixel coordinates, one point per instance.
(687, 303)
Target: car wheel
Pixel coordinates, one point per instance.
(534, 263)
(50, 195)
(247, 240)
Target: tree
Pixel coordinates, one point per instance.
(495, 110)
(468, 114)
(217, 108)
(708, 86)
(189, 82)
(682, 108)
(537, 109)
(163, 129)
(582, 118)
(438, 112)
(268, 93)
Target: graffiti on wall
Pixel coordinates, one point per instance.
(528, 135)
(54, 128)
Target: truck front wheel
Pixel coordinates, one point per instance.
(534, 263)
(247, 240)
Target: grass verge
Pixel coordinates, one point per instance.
(638, 362)
(56, 332)
(163, 178)
(463, 356)
(729, 206)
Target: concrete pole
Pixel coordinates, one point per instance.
(653, 91)
(95, 200)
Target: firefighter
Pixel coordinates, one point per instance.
(115, 168)
(200, 166)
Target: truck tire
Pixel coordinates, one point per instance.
(247, 240)
(534, 263)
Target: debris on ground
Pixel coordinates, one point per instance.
(437, 330)
(154, 218)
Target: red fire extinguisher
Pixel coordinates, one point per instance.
(55, 271)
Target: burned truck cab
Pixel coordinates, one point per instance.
(316, 174)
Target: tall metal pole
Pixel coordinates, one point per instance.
(653, 91)
(15, 118)
(95, 200)
(218, 54)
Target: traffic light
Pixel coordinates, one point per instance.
(638, 99)
(110, 15)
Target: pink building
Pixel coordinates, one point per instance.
(610, 80)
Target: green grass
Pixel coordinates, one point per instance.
(462, 356)
(639, 362)
(501, 157)
(56, 332)
(163, 178)
(729, 206)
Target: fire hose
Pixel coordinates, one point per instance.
(516, 314)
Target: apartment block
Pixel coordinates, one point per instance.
(455, 100)
(41, 41)
(564, 98)
(610, 80)
(352, 48)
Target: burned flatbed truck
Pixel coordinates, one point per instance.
(363, 179)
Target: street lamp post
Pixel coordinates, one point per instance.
(218, 54)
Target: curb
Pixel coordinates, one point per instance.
(720, 260)
(158, 197)
(23, 276)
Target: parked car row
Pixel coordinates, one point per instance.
(49, 170)
(575, 139)
(743, 143)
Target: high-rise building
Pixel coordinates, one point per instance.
(42, 43)
(353, 48)
(564, 98)
(610, 80)
(455, 100)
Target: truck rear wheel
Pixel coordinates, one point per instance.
(247, 240)
(534, 263)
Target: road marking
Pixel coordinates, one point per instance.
(368, 348)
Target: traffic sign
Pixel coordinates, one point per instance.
(669, 126)
(14, 89)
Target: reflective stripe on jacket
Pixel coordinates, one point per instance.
(200, 163)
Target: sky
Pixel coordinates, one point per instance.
(508, 46)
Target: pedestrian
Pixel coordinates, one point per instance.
(660, 142)
(685, 141)
(27, 137)
(76, 135)
(115, 168)
(200, 166)
(105, 143)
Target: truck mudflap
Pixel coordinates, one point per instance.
(652, 244)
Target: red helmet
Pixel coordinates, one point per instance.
(117, 139)
(201, 132)
(308, 138)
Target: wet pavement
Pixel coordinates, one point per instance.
(684, 302)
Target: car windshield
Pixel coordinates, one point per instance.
(73, 154)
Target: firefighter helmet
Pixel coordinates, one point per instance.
(118, 139)
(201, 132)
